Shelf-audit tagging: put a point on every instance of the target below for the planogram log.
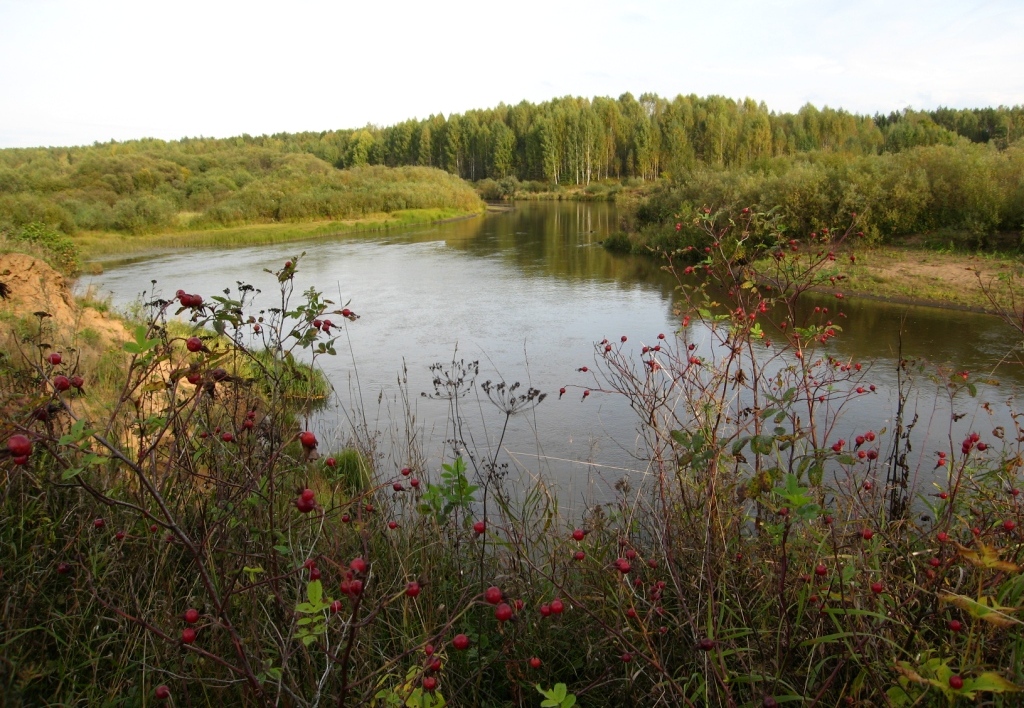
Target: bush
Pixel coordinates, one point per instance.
(56, 249)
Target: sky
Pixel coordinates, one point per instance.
(74, 72)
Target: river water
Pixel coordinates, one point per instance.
(527, 293)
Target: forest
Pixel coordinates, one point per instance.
(689, 142)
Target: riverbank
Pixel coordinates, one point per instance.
(97, 247)
(919, 276)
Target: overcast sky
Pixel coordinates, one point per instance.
(78, 71)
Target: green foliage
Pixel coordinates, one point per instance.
(557, 697)
(37, 239)
(454, 493)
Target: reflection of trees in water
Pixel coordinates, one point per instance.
(562, 239)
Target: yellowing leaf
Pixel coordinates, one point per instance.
(986, 557)
(983, 608)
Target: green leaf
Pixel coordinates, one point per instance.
(315, 591)
(991, 682)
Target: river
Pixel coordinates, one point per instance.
(527, 293)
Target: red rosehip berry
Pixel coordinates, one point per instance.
(307, 439)
(19, 445)
(191, 615)
(578, 534)
(188, 635)
(460, 642)
(194, 344)
(534, 663)
(955, 626)
(479, 527)
(392, 525)
(429, 683)
(493, 595)
(1009, 525)
(503, 612)
(162, 693)
(867, 534)
(955, 682)
(358, 566)
(877, 588)
(557, 607)
(579, 555)
(54, 359)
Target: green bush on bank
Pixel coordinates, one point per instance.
(974, 190)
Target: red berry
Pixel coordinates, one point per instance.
(191, 615)
(534, 663)
(877, 588)
(942, 536)
(61, 382)
(868, 486)
(308, 494)
(54, 359)
(414, 483)
(397, 486)
(19, 446)
(355, 587)
(955, 626)
(955, 682)
(435, 665)
(784, 511)
(479, 527)
(307, 439)
(626, 657)
(99, 523)
(578, 534)
(305, 505)
(460, 642)
(406, 471)
(314, 574)
(706, 644)
(429, 650)
(227, 437)
(392, 525)
(1009, 525)
(63, 568)
(934, 562)
(557, 607)
(188, 635)
(579, 555)
(867, 534)
(622, 565)
(412, 589)
(345, 518)
(631, 554)
(493, 595)
(631, 613)
(820, 570)
(1015, 492)
(943, 495)
(429, 683)
(827, 520)
(503, 612)
(358, 565)
(330, 462)
(194, 344)
(545, 610)
(162, 693)
(336, 607)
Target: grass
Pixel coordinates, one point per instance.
(915, 274)
(98, 246)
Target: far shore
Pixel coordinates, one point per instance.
(104, 247)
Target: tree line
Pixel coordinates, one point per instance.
(149, 184)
